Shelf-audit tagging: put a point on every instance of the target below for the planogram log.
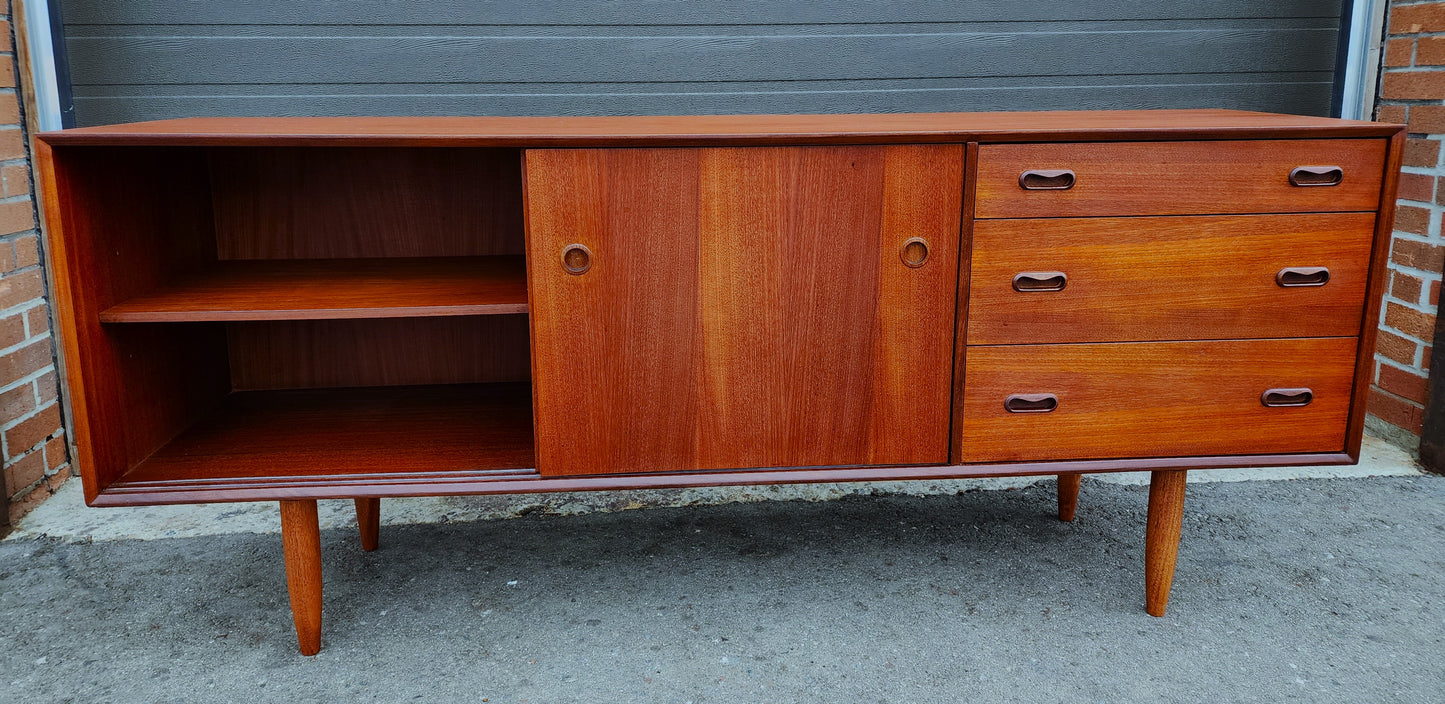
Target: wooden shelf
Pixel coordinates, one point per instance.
(280, 437)
(318, 289)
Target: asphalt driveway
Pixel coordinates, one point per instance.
(1329, 590)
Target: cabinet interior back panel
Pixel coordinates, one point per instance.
(348, 202)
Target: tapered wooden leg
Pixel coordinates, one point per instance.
(368, 521)
(1161, 537)
(301, 540)
(1068, 495)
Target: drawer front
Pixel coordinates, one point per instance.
(1155, 399)
(1168, 278)
(1178, 178)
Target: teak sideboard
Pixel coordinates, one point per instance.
(298, 309)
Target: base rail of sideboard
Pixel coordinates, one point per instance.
(389, 485)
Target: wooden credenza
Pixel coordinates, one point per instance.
(301, 309)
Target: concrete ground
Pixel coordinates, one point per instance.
(1320, 589)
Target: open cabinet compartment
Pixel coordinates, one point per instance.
(282, 315)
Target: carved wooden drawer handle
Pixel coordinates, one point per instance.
(1316, 176)
(1031, 403)
(1276, 398)
(576, 259)
(1046, 180)
(1298, 276)
(914, 252)
(1035, 281)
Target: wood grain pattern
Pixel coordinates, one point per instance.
(1374, 296)
(301, 543)
(719, 130)
(345, 203)
(1178, 178)
(299, 354)
(1068, 495)
(315, 289)
(368, 522)
(1153, 399)
(320, 432)
(121, 222)
(1161, 536)
(713, 331)
(1168, 278)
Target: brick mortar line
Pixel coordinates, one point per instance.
(1403, 236)
(1395, 396)
(32, 378)
(9, 425)
(1413, 306)
(35, 339)
(1392, 331)
(1424, 274)
(1416, 371)
(1435, 207)
(19, 308)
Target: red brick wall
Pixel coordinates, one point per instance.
(1412, 90)
(32, 438)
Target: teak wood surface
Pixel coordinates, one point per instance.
(711, 130)
(315, 289)
(744, 307)
(1178, 178)
(189, 196)
(1168, 278)
(1155, 399)
(347, 203)
(328, 432)
(306, 354)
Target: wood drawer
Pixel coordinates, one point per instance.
(1168, 278)
(1177, 178)
(1156, 399)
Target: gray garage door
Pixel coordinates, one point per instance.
(148, 59)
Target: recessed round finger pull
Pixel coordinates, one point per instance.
(914, 252)
(576, 258)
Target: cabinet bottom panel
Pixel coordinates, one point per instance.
(1156, 399)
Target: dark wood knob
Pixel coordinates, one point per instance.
(914, 252)
(1035, 281)
(1046, 180)
(1277, 398)
(1316, 176)
(576, 259)
(1299, 276)
(1031, 403)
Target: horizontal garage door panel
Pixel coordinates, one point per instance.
(152, 59)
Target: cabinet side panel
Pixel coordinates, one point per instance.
(1375, 294)
(614, 346)
(124, 220)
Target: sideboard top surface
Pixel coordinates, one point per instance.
(719, 129)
